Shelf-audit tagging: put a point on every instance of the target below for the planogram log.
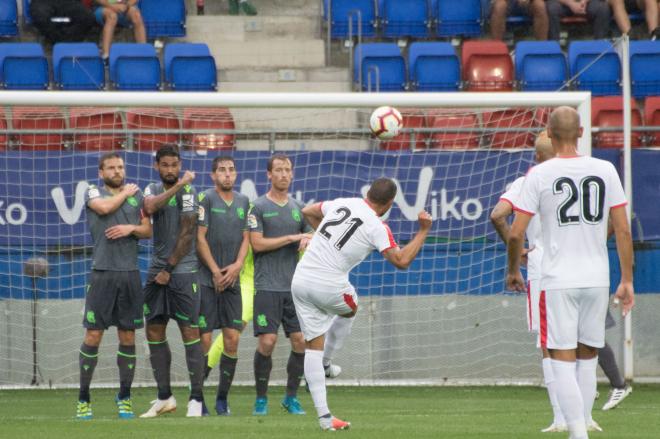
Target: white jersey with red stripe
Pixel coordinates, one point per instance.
(534, 237)
(573, 197)
(349, 232)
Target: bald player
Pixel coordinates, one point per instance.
(533, 255)
(574, 196)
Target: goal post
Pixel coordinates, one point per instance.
(446, 320)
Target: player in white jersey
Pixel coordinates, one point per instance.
(532, 257)
(574, 196)
(347, 231)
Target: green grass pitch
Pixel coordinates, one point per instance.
(375, 412)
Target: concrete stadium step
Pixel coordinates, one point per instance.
(310, 8)
(322, 119)
(313, 74)
(241, 28)
(268, 53)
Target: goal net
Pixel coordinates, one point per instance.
(447, 319)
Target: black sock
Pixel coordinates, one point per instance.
(227, 369)
(262, 367)
(195, 362)
(87, 360)
(161, 361)
(126, 362)
(295, 369)
(607, 362)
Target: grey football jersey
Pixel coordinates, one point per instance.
(113, 254)
(274, 270)
(226, 224)
(166, 223)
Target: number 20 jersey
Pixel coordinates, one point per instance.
(573, 197)
(349, 232)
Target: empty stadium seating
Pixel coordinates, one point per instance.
(38, 118)
(510, 120)
(23, 66)
(404, 141)
(405, 18)
(152, 119)
(458, 18)
(3, 134)
(189, 66)
(606, 112)
(345, 15)
(652, 118)
(90, 119)
(433, 66)
(78, 66)
(134, 66)
(8, 18)
(487, 66)
(540, 66)
(379, 67)
(596, 66)
(208, 118)
(164, 18)
(463, 125)
(645, 68)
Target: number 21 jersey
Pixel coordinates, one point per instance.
(573, 197)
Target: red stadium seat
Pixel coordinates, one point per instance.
(152, 119)
(652, 116)
(39, 118)
(96, 119)
(208, 118)
(464, 139)
(513, 118)
(487, 66)
(411, 119)
(3, 128)
(607, 111)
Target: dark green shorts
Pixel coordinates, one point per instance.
(272, 309)
(114, 298)
(220, 310)
(179, 299)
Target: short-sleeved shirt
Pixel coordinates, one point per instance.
(273, 270)
(573, 197)
(226, 223)
(534, 237)
(166, 223)
(114, 254)
(349, 232)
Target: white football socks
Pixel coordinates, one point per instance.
(551, 385)
(586, 378)
(570, 398)
(334, 339)
(315, 377)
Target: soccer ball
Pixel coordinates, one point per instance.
(385, 122)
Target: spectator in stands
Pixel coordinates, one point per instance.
(61, 20)
(596, 11)
(500, 9)
(620, 10)
(109, 13)
(235, 7)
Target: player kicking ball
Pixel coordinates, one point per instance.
(347, 231)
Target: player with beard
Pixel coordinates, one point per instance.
(172, 290)
(114, 292)
(222, 244)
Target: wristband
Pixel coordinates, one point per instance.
(169, 268)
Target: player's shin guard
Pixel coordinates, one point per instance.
(227, 369)
(551, 385)
(126, 363)
(586, 378)
(295, 369)
(570, 398)
(334, 339)
(262, 368)
(87, 360)
(195, 363)
(315, 377)
(160, 357)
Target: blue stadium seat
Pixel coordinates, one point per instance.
(540, 66)
(8, 18)
(433, 66)
(596, 67)
(645, 68)
(190, 66)
(458, 18)
(23, 66)
(343, 11)
(381, 66)
(134, 66)
(27, 17)
(164, 18)
(405, 18)
(78, 66)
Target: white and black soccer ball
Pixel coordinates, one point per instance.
(385, 122)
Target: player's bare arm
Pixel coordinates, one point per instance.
(140, 231)
(498, 217)
(187, 230)
(313, 215)
(105, 206)
(514, 279)
(401, 258)
(231, 272)
(153, 203)
(625, 293)
(261, 244)
(205, 256)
